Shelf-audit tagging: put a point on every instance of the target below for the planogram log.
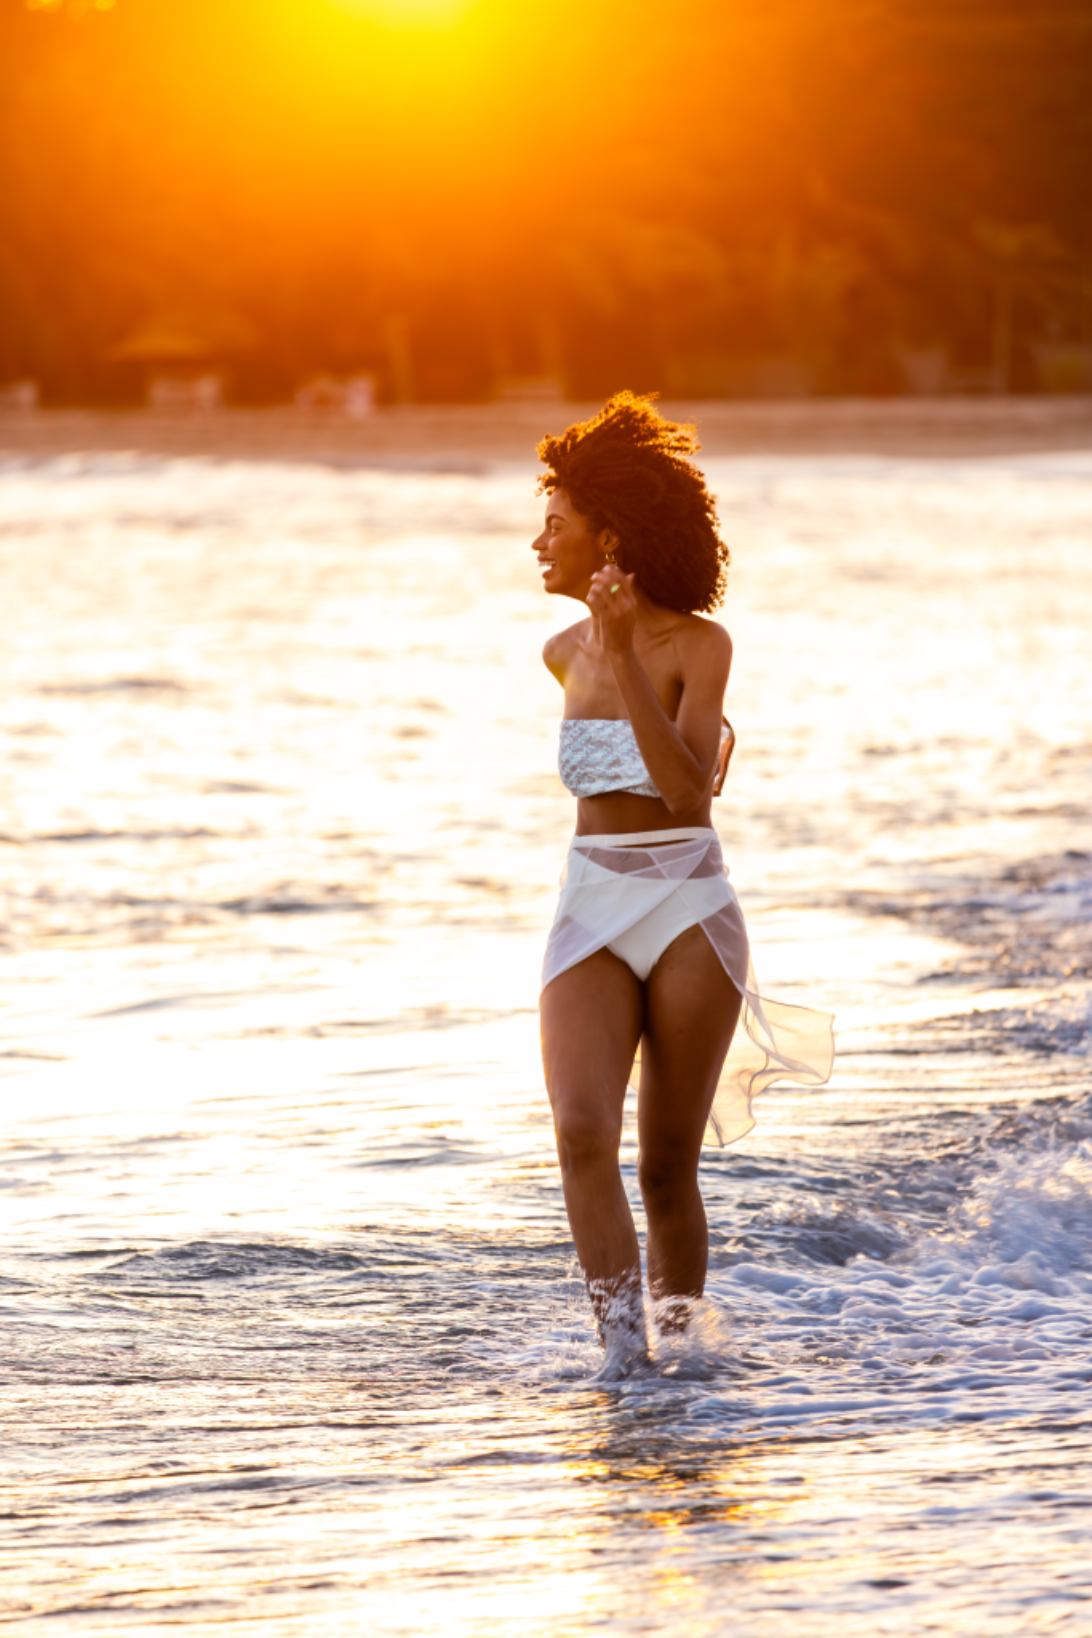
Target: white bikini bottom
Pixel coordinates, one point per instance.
(642, 945)
(634, 895)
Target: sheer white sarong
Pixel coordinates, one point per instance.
(611, 883)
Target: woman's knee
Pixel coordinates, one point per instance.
(667, 1177)
(585, 1137)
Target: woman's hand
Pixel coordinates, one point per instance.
(613, 606)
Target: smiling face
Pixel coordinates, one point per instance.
(568, 550)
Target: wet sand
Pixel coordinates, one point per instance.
(471, 436)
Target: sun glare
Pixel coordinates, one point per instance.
(409, 14)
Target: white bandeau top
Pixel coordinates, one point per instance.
(598, 754)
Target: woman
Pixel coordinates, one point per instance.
(648, 950)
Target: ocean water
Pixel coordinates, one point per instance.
(293, 1338)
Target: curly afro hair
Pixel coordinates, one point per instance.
(627, 470)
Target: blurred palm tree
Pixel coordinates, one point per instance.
(1024, 259)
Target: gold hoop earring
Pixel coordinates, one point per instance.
(610, 557)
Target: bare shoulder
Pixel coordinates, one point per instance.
(558, 650)
(706, 642)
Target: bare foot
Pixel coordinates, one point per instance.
(672, 1315)
(619, 1309)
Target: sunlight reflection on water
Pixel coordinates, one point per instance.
(292, 1326)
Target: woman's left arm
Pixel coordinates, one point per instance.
(681, 756)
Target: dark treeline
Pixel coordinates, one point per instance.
(839, 196)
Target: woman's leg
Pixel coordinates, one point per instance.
(691, 1011)
(591, 1024)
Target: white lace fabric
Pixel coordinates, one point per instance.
(611, 882)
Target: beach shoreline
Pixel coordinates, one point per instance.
(472, 436)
